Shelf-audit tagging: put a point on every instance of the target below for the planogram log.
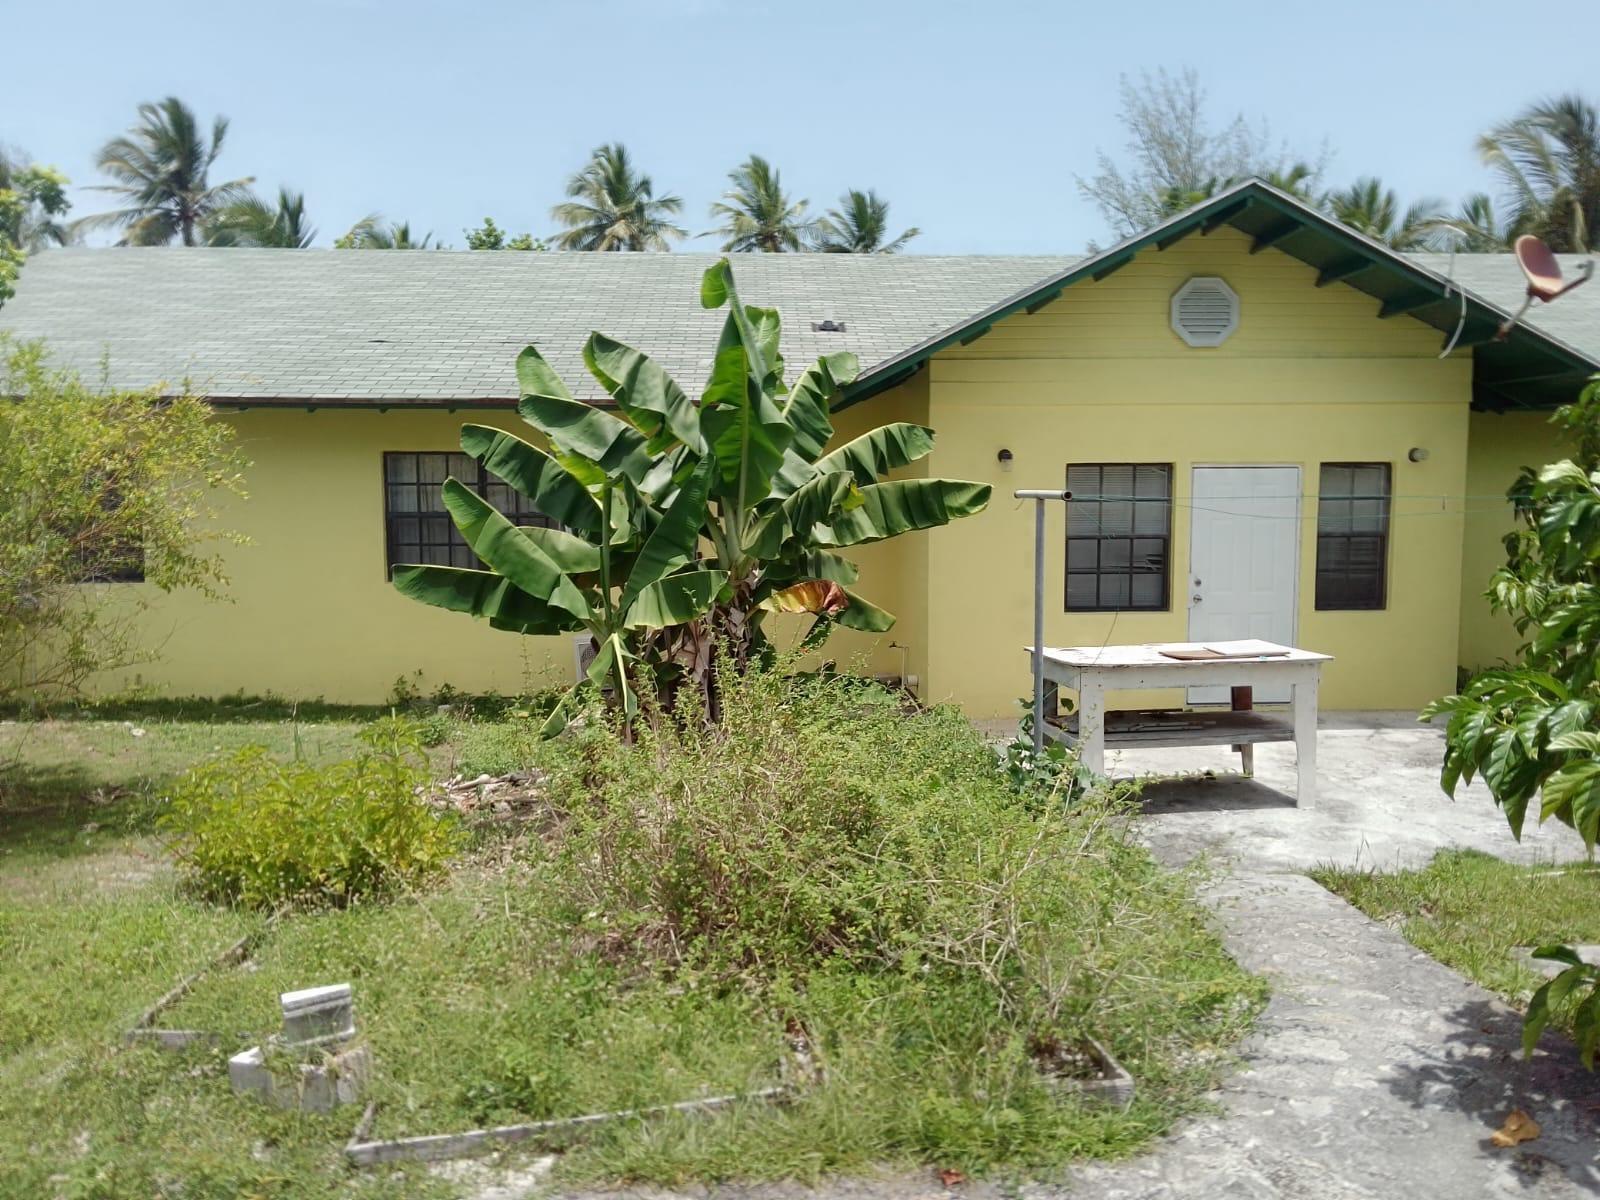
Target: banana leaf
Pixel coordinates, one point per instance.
(743, 425)
(483, 594)
(578, 428)
(571, 554)
(673, 542)
(649, 397)
(873, 455)
(716, 285)
(553, 490)
(813, 397)
(610, 669)
(864, 615)
(812, 564)
(899, 506)
(765, 328)
(745, 430)
(536, 377)
(816, 502)
(507, 551)
(675, 600)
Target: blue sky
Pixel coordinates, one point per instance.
(972, 118)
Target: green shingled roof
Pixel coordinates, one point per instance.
(363, 327)
(329, 327)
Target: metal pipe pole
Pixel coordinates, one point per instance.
(1039, 497)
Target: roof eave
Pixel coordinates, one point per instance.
(1226, 208)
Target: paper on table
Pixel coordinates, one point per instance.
(1245, 648)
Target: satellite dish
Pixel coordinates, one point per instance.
(1542, 270)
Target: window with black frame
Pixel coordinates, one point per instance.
(1353, 536)
(106, 556)
(416, 525)
(1119, 537)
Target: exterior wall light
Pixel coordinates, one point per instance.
(1004, 459)
(1417, 454)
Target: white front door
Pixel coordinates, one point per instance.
(1244, 562)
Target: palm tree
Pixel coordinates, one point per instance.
(612, 206)
(860, 225)
(1475, 228)
(1370, 208)
(251, 221)
(1299, 179)
(371, 233)
(40, 195)
(1549, 160)
(757, 214)
(162, 168)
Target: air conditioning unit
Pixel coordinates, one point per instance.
(584, 651)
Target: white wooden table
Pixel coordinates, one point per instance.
(1092, 671)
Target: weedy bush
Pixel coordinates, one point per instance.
(822, 824)
(252, 830)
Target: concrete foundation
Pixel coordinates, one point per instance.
(314, 1065)
(310, 1087)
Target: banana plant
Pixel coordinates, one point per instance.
(685, 522)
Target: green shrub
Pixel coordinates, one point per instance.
(255, 831)
(821, 823)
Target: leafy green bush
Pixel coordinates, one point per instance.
(1531, 731)
(259, 832)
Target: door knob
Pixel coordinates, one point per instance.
(1197, 597)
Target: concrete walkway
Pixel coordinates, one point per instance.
(1375, 1072)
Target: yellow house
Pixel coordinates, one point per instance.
(1271, 425)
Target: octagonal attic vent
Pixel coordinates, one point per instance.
(1205, 311)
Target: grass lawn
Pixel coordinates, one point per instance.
(482, 1009)
(1471, 910)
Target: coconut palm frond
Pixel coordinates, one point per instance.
(371, 232)
(1374, 210)
(757, 214)
(613, 206)
(860, 225)
(252, 221)
(161, 169)
(1548, 163)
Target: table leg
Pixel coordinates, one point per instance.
(1305, 741)
(1242, 699)
(1092, 724)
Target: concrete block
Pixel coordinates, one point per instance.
(337, 1078)
(318, 1014)
(1589, 952)
(247, 1072)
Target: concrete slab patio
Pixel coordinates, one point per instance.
(1378, 802)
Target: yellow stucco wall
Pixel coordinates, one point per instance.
(311, 614)
(894, 573)
(1310, 376)
(310, 610)
(1500, 445)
